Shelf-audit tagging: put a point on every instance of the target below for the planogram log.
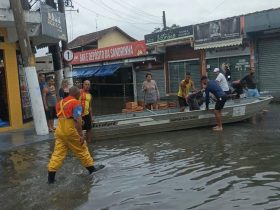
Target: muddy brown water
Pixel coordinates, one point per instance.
(190, 169)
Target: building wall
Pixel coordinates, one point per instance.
(112, 38)
(181, 52)
(12, 82)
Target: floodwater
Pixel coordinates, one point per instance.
(191, 169)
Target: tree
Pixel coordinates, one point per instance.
(173, 26)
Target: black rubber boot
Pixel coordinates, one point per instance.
(92, 169)
(51, 177)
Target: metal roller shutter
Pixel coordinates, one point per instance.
(157, 75)
(177, 71)
(268, 65)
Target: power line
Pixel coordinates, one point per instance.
(136, 12)
(108, 17)
(142, 11)
(117, 13)
(96, 13)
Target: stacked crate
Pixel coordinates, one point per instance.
(132, 107)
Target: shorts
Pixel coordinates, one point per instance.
(87, 124)
(50, 113)
(220, 103)
(182, 102)
(228, 92)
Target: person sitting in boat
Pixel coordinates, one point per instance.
(212, 86)
(237, 89)
(151, 92)
(222, 81)
(185, 87)
(195, 100)
(249, 81)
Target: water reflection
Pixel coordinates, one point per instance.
(193, 169)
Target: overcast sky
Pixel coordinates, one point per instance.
(140, 17)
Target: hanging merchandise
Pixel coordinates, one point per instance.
(25, 98)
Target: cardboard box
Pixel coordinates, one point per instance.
(131, 105)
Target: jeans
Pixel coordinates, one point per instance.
(253, 93)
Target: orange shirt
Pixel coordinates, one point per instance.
(65, 107)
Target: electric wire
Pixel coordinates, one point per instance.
(96, 13)
(111, 11)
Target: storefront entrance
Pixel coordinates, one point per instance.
(110, 92)
(4, 107)
(238, 65)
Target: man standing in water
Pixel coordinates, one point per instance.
(86, 102)
(69, 135)
(212, 86)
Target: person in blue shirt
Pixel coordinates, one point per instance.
(212, 86)
(42, 81)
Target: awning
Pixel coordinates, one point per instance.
(107, 70)
(85, 71)
(97, 71)
(225, 43)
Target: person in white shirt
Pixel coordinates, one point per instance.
(221, 79)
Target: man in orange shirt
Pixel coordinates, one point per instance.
(86, 102)
(69, 135)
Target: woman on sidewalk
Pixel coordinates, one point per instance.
(151, 92)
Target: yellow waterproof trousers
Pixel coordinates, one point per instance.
(67, 137)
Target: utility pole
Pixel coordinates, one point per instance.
(29, 69)
(164, 20)
(66, 66)
(56, 55)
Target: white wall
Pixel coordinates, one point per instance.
(4, 4)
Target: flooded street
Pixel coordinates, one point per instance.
(191, 169)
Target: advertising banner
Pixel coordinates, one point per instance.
(215, 31)
(169, 35)
(129, 50)
(53, 23)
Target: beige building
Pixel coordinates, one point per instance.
(100, 39)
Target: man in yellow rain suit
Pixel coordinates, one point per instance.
(68, 135)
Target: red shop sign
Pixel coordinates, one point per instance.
(133, 49)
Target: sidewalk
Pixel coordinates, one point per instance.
(11, 140)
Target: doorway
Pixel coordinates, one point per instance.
(4, 110)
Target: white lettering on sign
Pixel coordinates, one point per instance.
(121, 51)
(239, 111)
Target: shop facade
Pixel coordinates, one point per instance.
(224, 44)
(176, 48)
(116, 74)
(263, 29)
(15, 104)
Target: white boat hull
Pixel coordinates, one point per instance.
(131, 124)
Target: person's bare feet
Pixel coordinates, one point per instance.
(218, 128)
(215, 127)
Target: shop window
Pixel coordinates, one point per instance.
(238, 66)
(4, 108)
(177, 72)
